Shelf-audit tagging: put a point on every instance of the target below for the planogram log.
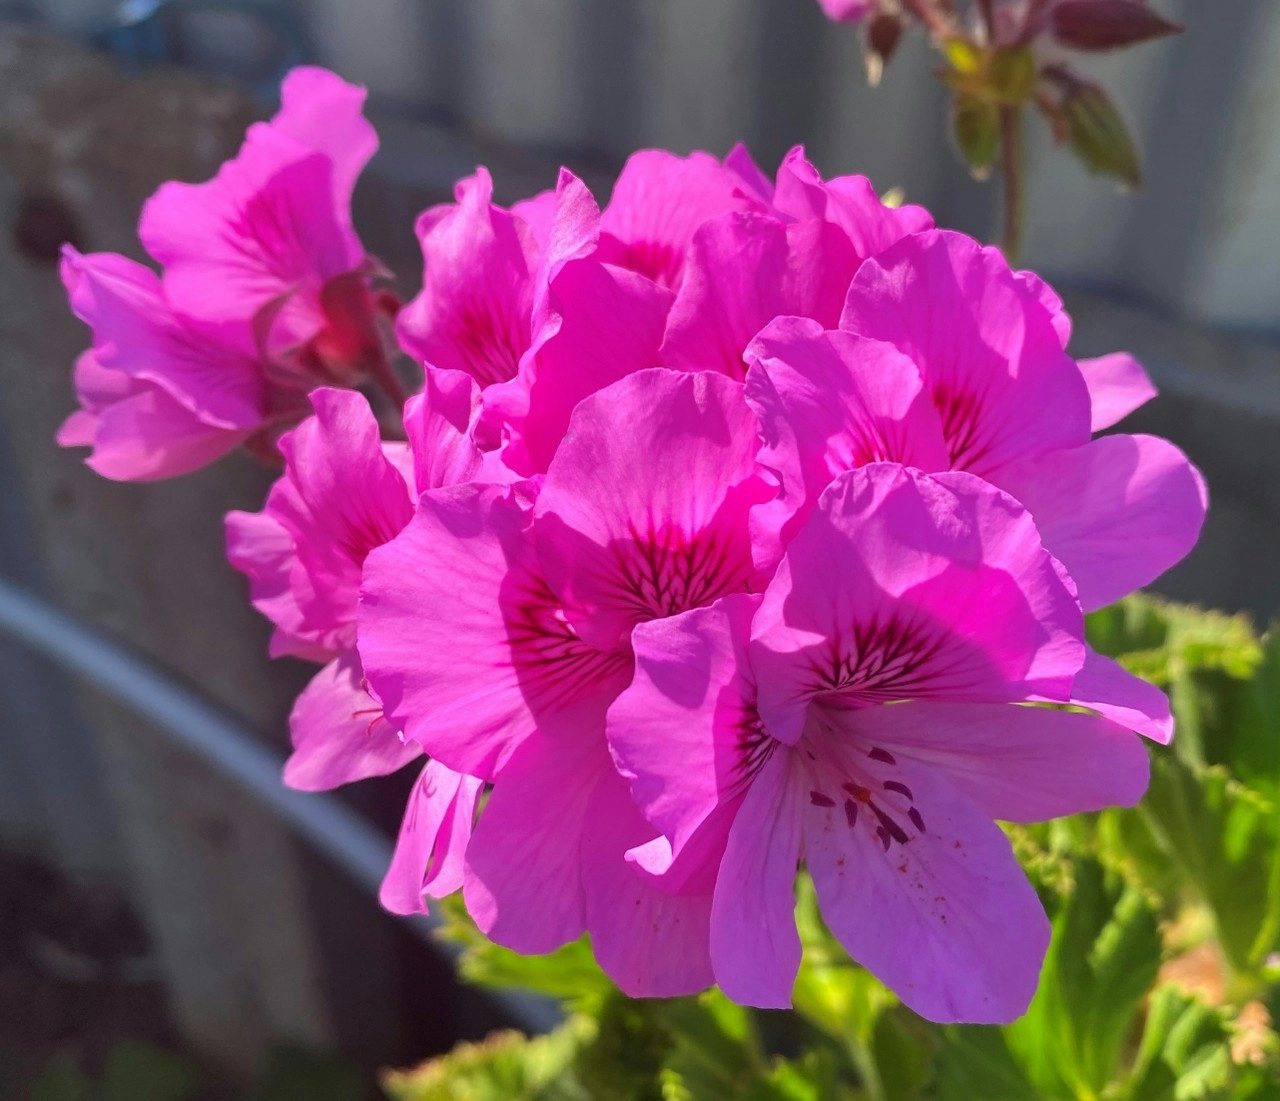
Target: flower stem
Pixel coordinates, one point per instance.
(1011, 175)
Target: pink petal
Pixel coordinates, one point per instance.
(266, 229)
(439, 423)
(846, 11)
(676, 732)
(947, 921)
(658, 203)
(743, 271)
(1050, 300)
(653, 943)
(352, 498)
(323, 112)
(903, 585)
(261, 547)
(137, 333)
(429, 853)
(1108, 688)
(523, 879)
(623, 538)
(1118, 385)
(338, 732)
(847, 202)
(755, 949)
(470, 653)
(985, 345)
(1118, 511)
(474, 312)
(832, 401)
(1019, 764)
(754, 183)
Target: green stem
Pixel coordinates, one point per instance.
(865, 1063)
(1011, 175)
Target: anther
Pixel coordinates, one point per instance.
(901, 789)
(851, 812)
(878, 754)
(916, 820)
(820, 800)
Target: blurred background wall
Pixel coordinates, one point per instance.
(101, 101)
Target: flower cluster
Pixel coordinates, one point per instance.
(740, 525)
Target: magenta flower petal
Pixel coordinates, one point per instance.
(429, 853)
(984, 343)
(652, 942)
(440, 424)
(948, 920)
(1118, 512)
(903, 585)
(470, 656)
(755, 948)
(676, 733)
(745, 270)
(523, 880)
(1111, 690)
(625, 539)
(1018, 764)
(339, 734)
(847, 11)
(832, 401)
(658, 203)
(474, 312)
(1118, 385)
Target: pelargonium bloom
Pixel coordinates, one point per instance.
(969, 356)
(847, 11)
(502, 657)
(265, 294)
(863, 717)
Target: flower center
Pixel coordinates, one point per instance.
(870, 794)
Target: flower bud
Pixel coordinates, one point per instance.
(1108, 24)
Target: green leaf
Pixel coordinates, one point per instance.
(1184, 1054)
(61, 1079)
(505, 1067)
(292, 1073)
(135, 1070)
(1226, 839)
(1104, 955)
(1011, 75)
(569, 974)
(1247, 738)
(975, 130)
(974, 1062)
(1099, 136)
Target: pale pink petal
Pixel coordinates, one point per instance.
(429, 853)
(523, 878)
(463, 642)
(137, 333)
(831, 401)
(474, 312)
(755, 948)
(848, 202)
(947, 920)
(985, 344)
(325, 113)
(1118, 385)
(624, 538)
(1108, 688)
(677, 732)
(744, 270)
(903, 585)
(652, 942)
(338, 732)
(1019, 764)
(657, 204)
(1117, 512)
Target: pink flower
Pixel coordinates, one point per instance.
(847, 11)
(862, 717)
(265, 295)
(502, 658)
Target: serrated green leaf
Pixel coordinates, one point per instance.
(1247, 736)
(505, 1067)
(1226, 838)
(1184, 1053)
(1104, 955)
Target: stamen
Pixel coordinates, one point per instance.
(901, 789)
(818, 799)
(883, 834)
(851, 812)
(889, 825)
(916, 820)
(863, 795)
(878, 754)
